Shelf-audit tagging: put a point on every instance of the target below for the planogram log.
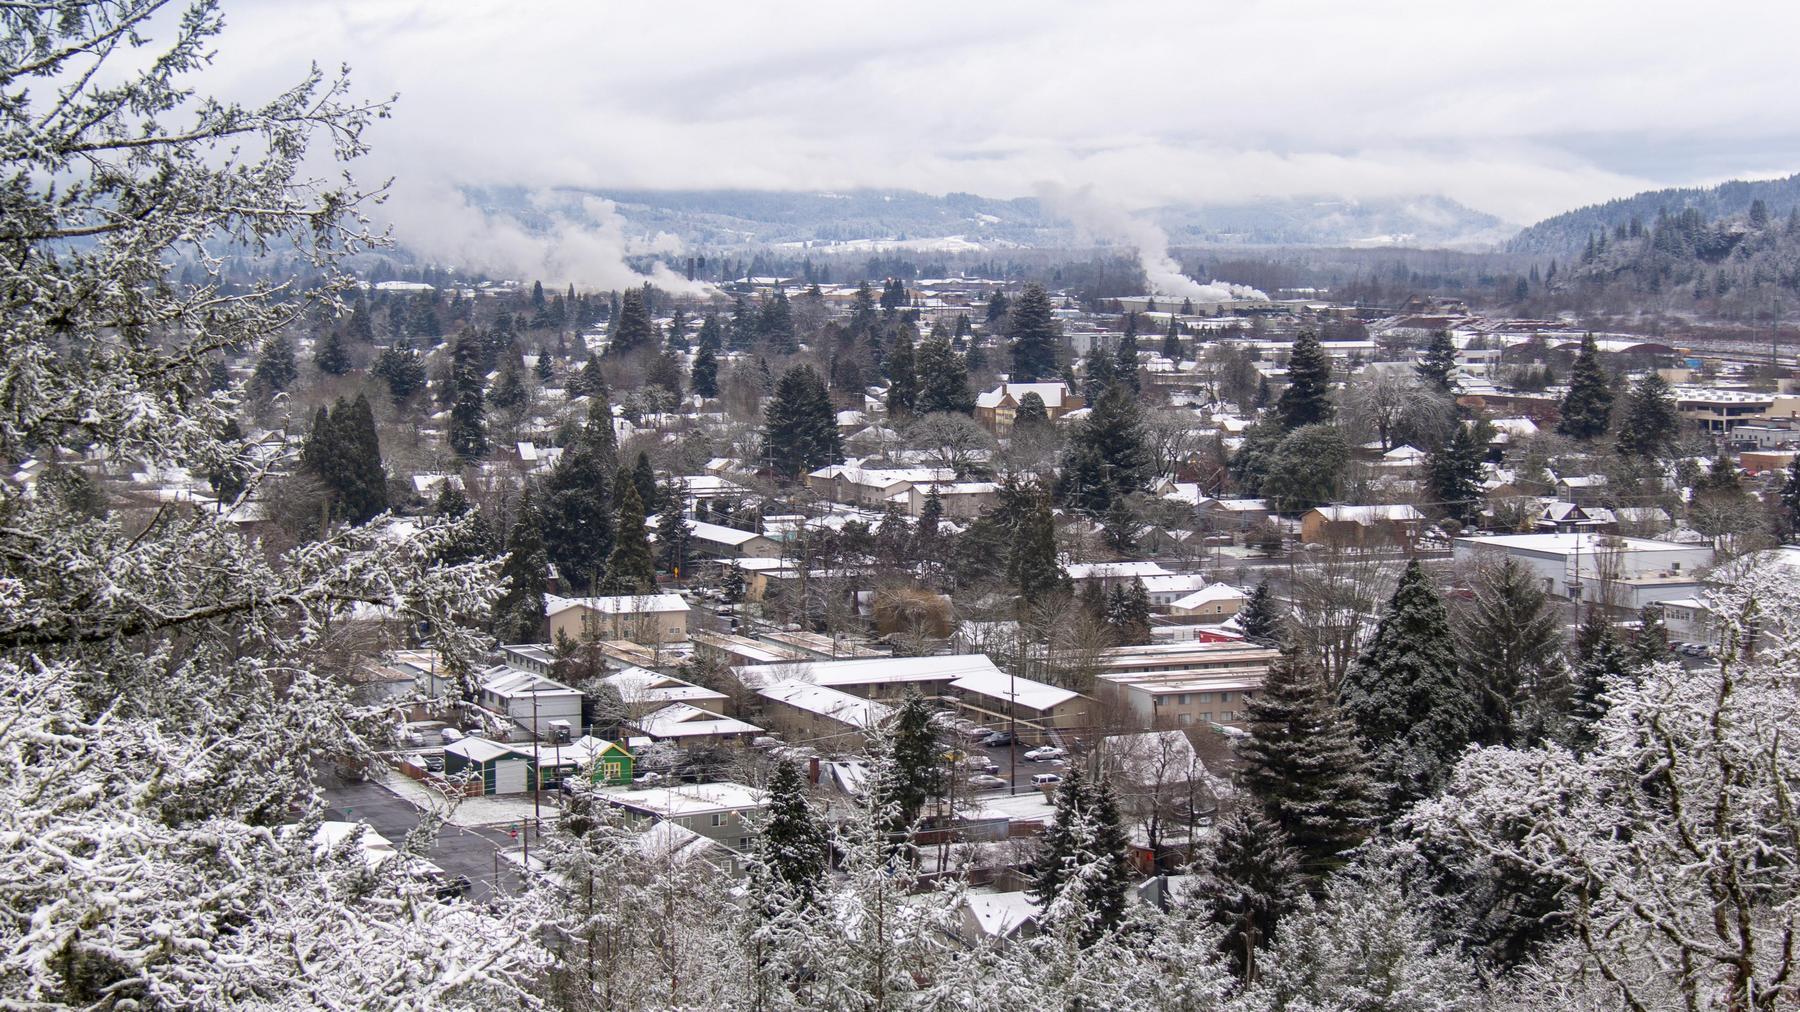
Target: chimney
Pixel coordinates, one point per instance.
(812, 770)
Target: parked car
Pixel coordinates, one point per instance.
(451, 888)
(434, 764)
(986, 781)
(979, 763)
(998, 739)
(1045, 780)
(1038, 755)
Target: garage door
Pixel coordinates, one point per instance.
(509, 777)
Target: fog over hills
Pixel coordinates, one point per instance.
(1566, 233)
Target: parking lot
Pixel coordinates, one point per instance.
(459, 850)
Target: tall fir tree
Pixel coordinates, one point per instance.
(800, 430)
(1125, 358)
(1261, 619)
(1512, 648)
(1787, 499)
(775, 324)
(1602, 659)
(468, 429)
(1411, 702)
(1098, 373)
(1031, 565)
(402, 369)
(674, 535)
(1303, 765)
(943, 378)
(632, 329)
(1438, 365)
(275, 369)
(362, 485)
(1650, 644)
(578, 501)
(509, 393)
(915, 775)
(1079, 872)
(1109, 455)
(630, 568)
(1453, 475)
(1031, 415)
(1247, 881)
(1651, 422)
(1034, 336)
(1587, 407)
(931, 514)
(903, 377)
(703, 375)
(1306, 400)
(518, 615)
(330, 355)
(791, 854)
(1171, 345)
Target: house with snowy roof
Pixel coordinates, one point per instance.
(997, 408)
(1393, 524)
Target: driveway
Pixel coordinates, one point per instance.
(460, 850)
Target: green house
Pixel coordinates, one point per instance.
(502, 769)
(607, 762)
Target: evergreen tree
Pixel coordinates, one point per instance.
(330, 355)
(914, 774)
(673, 533)
(789, 860)
(343, 451)
(1080, 877)
(1109, 456)
(468, 433)
(361, 325)
(1031, 565)
(903, 379)
(1034, 336)
(1171, 346)
(509, 393)
(712, 333)
(228, 476)
(1128, 613)
(1249, 879)
(452, 504)
(1307, 398)
(578, 502)
(1603, 659)
(643, 477)
(545, 368)
(743, 324)
(519, 613)
(703, 378)
(1512, 647)
(1651, 422)
(1031, 414)
(1125, 362)
(1303, 765)
(275, 370)
(1120, 528)
(1453, 475)
(800, 430)
(1587, 407)
(996, 307)
(1411, 702)
(1439, 363)
(1261, 619)
(931, 514)
(591, 381)
(1788, 498)
(402, 369)
(631, 328)
(776, 322)
(943, 378)
(629, 569)
(1650, 645)
(1098, 373)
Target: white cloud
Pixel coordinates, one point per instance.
(1143, 102)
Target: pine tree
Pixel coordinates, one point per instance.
(664, 371)
(788, 863)
(1031, 565)
(643, 477)
(931, 514)
(402, 369)
(362, 480)
(943, 378)
(468, 433)
(1603, 659)
(703, 378)
(1651, 423)
(1788, 498)
(330, 355)
(519, 613)
(1171, 346)
(1261, 619)
(673, 533)
(545, 368)
(509, 394)
(1031, 414)
(1079, 874)
(914, 775)
(1307, 398)
(1439, 363)
(228, 476)
(1587, 407)
(1125, 361)
(775, 324)
(1453, 474)
(629, 569)
(1034, 336)
(578, 502)
(631, 328)
(1098, 373)
(1650, 645)
(1249, 879)
(1512, 647)
(1412, 704)
(275, 370)
(903, 378)
(800, 430)
(1303, 765)
(1108, 456)
(1120, 528)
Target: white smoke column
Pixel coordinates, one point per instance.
(1098, 220)
(438, 222)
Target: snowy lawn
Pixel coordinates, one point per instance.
(471, 812)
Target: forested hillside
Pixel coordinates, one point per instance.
(1567, 233)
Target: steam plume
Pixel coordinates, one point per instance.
(1100, 221)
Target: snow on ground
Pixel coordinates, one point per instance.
(471, 812)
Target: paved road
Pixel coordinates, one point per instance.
(459, 851)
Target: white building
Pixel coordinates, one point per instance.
(1621, 572)
(529, 700)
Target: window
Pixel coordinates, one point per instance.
(743, 843)
(1206, 697)
(1186, 719)
(718, 819)
(1206, 717)
(1181, 700)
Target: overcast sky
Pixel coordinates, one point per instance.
(1521, 109)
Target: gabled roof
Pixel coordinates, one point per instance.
(827, 702)
(629, 604)
(1209, 594)
(1051, 394)
(684, 720)
(1369, 514)
(507, 681)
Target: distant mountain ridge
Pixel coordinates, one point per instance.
(738, 218)
(1568, 233)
